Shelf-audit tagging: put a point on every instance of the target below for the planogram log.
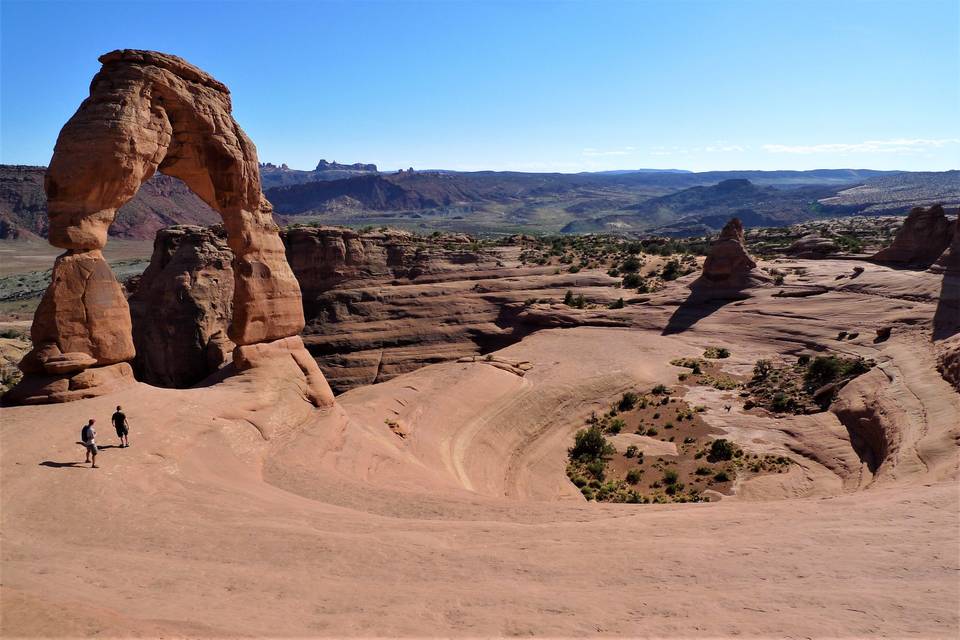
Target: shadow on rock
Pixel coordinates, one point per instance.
(695, 308)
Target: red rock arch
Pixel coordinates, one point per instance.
(148, 112)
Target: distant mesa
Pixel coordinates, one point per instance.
(923, 238)
(323, 165)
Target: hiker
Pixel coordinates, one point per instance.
(122, 427)
(89, 435)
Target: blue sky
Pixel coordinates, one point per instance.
(531, 86)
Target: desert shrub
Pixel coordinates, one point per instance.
(631, 281)
(721, 449)
(652, 431)
(670, 477)
(615, 426)
(589, 444)
(630, 265)
(579, 481)
(822, 370)
(778, 279)
(716, 352)
(10, 333)
(631, 451)
(660, 390)
(668, 425)
(803, 360)
(781, 402)
(671, 270)
(721, 476)
(617, 305)
(703, 471)
(762, 369)
(627, 401)
(597, 469)
(633, 476)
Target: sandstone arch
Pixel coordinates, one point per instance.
(149, 112)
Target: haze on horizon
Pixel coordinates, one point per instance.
(527, 86)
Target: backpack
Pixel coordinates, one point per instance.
(85, 433)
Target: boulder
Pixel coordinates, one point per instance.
(812, 246)
(924, 236)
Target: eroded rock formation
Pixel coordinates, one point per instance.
(151, 112)
(182, 307)
(812, 246)
(924, 236)
(378, 304)
(728, 265)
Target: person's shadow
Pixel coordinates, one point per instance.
(75, 465)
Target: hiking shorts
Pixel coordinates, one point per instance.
(121, 431)
(91, 448)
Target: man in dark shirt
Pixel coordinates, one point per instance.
(123, 429)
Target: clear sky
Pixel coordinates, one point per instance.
(531, 85)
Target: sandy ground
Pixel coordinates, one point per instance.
(239, 511)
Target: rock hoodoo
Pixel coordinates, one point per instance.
(924, 236)
(149, 112)
(728, 265)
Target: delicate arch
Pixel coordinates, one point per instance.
(150, 111)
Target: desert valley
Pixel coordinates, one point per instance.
(436, 403)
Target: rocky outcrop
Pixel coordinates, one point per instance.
(182, 307)
(728, 265)
(149, 112)
(384, 303)
(812, 246)
(949, 260)
(323, 165)
(924, 236)
(379, 303)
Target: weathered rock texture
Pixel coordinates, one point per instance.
(151, 112)
(812, 246)
(924, 236)
(728, 265)
(182, 307)
(378, 304)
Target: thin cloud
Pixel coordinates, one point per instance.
(894, 145)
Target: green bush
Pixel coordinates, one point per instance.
(631, 281)
(616, 426)
(619, 304)
(721, 449)
(597, 469)
(589, 444)
(716, 352)
(632, 451)
(660, 390)
(721, 476)
(703, 471)
(628, 401)
(633, 476)
(670, 477)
